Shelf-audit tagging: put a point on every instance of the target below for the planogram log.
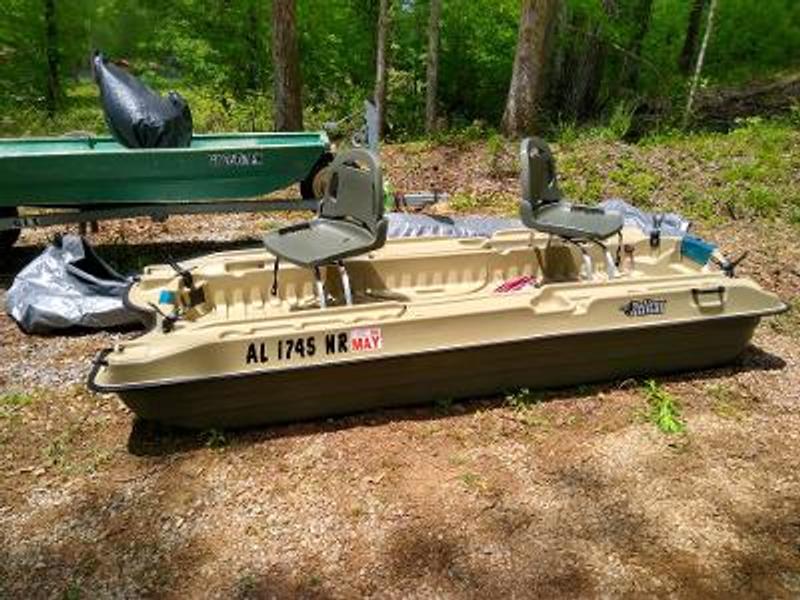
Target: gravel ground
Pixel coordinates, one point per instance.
(574, 496)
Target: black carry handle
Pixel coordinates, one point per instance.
(698, 293)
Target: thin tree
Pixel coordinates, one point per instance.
(692, 36)
(431, 93)
(583, 65)
(382, 66)
(253, 38)
(53, 88)
(286, 59)
(699, 65)
(530, 63)
(642, 15)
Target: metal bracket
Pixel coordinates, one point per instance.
(348, 293)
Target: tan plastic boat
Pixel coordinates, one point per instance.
(418, 320)
(430, 320)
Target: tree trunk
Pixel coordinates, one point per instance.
(642, 14)
(53, 90)
(687, 115)
(692, 36)
(286, 59)
(434, 24)
(580, 74)
(530, 63)
(254, 48)
(382, 65)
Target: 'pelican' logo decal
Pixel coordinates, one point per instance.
(644, 308)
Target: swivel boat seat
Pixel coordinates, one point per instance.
(543, 208)
(350, 222)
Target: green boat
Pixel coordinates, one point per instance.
(102, 179)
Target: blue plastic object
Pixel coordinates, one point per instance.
(698, 250)
(166, 297)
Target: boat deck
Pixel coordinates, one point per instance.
(453, 275)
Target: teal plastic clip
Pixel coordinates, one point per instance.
(698, 250)
(166, 297)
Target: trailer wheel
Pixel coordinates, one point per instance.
(313, 186)
(8, 237)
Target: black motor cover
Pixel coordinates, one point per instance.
(136, 115)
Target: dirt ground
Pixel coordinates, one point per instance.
(577, 495)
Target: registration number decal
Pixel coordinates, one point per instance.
(355, 341)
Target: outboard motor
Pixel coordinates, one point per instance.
(136, 115)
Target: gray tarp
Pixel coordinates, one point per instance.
(404, 225)
(418, 225)
(671, 224)
(69, 286)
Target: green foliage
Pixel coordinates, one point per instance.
(464, 202)
(219, 56)
(72, 592)
(523, 399)
(638, 180)
(471, 480)
(214, 439)
(664, 409)
(788, 323)
(444, 405)
(12, 402)
(621, 119)
(727, 401)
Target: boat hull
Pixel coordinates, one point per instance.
(98, 172)
(348, 387)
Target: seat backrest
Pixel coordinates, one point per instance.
(355, 190)
(538, 176)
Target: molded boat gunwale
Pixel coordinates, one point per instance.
(303, 139)
(100, 362)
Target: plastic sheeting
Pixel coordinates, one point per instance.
(136, 115)
(418, 225)
(69, 286)
(405, 225)
(671, 224)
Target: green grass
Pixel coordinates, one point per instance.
(11, 403)
(788, 323)
(471, 480)
(664, 409)
(727, 401)
(443, 405)
(464, 202)
(638, 179)
(711, 177)
(522, 402)
(523, 399)
(62, 451)
(215, 439)
(72, 592)
(498, 203)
